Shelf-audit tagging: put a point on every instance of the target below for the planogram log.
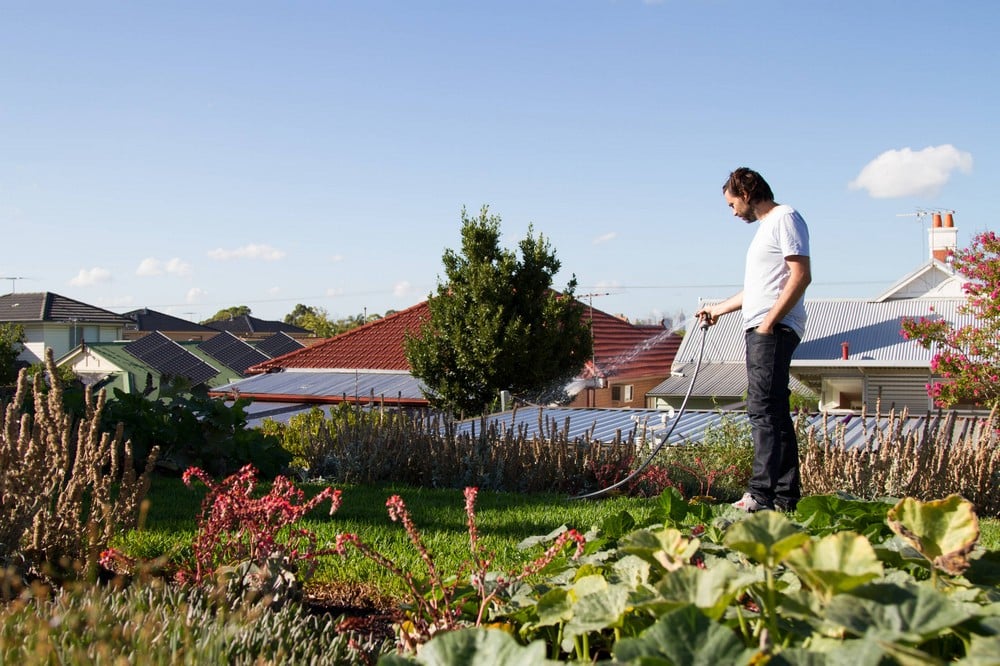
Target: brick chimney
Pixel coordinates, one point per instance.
(943, 235)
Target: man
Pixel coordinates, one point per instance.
(774, 316)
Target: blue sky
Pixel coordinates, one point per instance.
(190, 156)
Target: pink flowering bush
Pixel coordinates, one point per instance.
(235, 527)
(967, 357)
(441, 604)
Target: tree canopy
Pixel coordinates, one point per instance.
(11, 344)
(317, 320)
(497, 324)
(228, 313)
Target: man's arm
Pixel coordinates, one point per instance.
(799, 277)
(710, 315)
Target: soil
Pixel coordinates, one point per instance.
(363, 609)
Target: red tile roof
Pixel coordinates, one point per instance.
(621, 349)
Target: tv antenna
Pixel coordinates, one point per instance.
(13, 280)
(921, 214)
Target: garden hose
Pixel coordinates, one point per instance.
(663, 442)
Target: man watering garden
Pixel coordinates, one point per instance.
(774, 317)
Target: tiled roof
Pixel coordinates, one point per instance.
(151, 320)
(50, 307)
(621, 349)
(246, 324)
(377, 345)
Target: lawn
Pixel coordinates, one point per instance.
(504, 521)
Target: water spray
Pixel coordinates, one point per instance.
(663, 442)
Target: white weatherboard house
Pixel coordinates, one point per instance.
(853, 354)
(51, 321)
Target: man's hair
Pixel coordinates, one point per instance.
(748, 183)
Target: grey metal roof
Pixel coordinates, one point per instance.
(714, 379)
(871, 329)
(650, 426)
(331, 383)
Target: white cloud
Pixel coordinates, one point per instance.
(335, 291)
(402, 288)
(90, 276)
(337, 258)
(605, 238)
(252, 251)
(195, 294)
(151, 267)
(905, 172)
(115, 302)
(274, 291)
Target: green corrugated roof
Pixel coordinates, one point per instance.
(136, 370)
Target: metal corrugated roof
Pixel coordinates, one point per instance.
(329, 385)
(871, 330)
(648, 425)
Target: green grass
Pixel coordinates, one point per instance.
(503, 519)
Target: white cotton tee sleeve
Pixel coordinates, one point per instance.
(781, 233)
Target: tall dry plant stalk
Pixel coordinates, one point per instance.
(65, 486)
(930, 462)
(426, 450)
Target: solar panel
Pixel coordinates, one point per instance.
(232, 352)
(278, 344)
(170, 359)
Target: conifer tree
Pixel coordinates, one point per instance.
(496, 324)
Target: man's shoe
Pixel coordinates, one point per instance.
(750, 505)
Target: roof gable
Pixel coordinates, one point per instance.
(248, 325)
(932, 280)
(620, 348)
(50, 307)
(151, 320)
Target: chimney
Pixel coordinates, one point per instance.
(943, 236)
(845, 350)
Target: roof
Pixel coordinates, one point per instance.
(151, 320)
(377, 345)
(232, 352)
(248, 325)
(330, 386)
(933, 279)
(620, 348)
(49, 307)
(171, 358)
(871, 330)
(278, 344)
(650, 426)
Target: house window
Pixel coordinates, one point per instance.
(621, 393)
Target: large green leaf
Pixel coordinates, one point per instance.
(667, 548)
(554, 607)
(712, 590)
(474, 646)
(983, 651)
(766, 537)
(684, 637)
(596, 611)
(836, 563)
(912, 613)
(944, 531)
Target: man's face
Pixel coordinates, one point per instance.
(740, 207)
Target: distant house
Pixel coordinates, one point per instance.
(51, 321)
(368, 364)
(145, 321)
(145, 363)
(853, 354)
(252, 329)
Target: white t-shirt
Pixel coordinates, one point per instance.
(781, 233)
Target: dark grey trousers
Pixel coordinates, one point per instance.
(775, 476)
